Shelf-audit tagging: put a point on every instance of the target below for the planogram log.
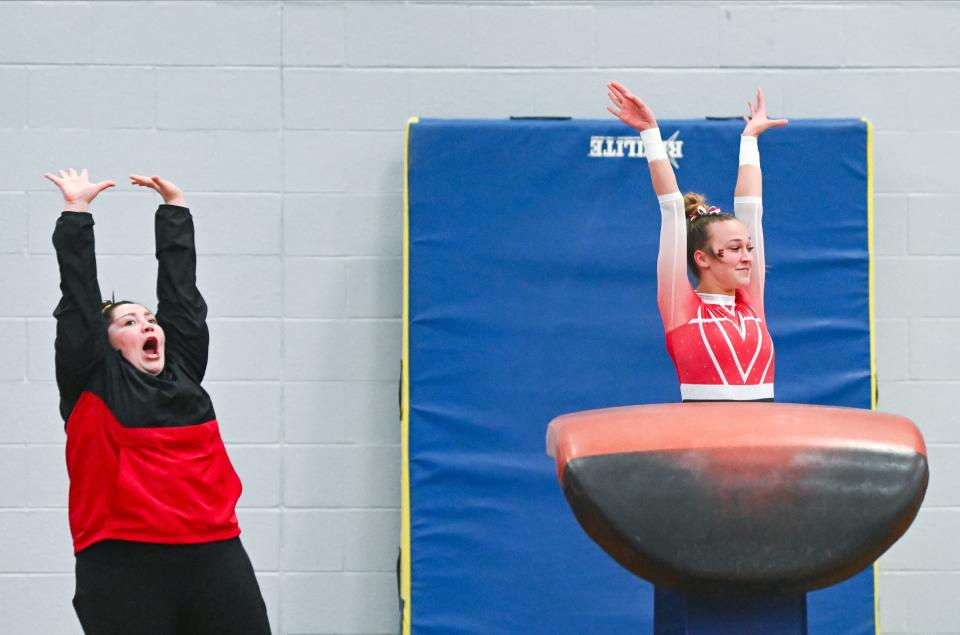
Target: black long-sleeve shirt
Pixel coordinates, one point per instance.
(86, 361)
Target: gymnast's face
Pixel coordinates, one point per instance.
(134, 331)
(730, 262)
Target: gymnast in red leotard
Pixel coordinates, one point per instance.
(717, 333)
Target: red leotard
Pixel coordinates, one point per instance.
(719, 344)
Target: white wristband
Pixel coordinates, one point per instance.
(653, 148)
(749, 152)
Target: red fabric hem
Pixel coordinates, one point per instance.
(133, 536)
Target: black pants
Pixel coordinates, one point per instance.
(149, 589)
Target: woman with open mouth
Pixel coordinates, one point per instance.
(152, 491)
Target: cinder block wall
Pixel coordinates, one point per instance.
(284, 121)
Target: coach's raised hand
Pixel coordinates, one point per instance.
(78, 191)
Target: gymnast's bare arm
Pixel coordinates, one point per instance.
(634, 112)
(749, 181)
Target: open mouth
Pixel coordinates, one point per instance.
(151, 348)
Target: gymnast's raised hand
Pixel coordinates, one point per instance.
(629, 108)
(757, 121)
(634, 112)
(749, 179)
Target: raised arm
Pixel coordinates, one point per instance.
(181, 310)
(81, 334)
(673, 285)
(747, 201)
(632, 111)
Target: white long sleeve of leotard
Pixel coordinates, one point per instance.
(749, 210)
(673, 285)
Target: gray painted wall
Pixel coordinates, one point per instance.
(284, 123)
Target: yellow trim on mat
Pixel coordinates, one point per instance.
(873, 337)
(405, 395)
(870, 223)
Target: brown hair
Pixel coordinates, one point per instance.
(109, 306)
(699, 219)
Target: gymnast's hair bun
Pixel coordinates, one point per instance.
(691, 201)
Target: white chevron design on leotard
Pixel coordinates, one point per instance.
(741, 329)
